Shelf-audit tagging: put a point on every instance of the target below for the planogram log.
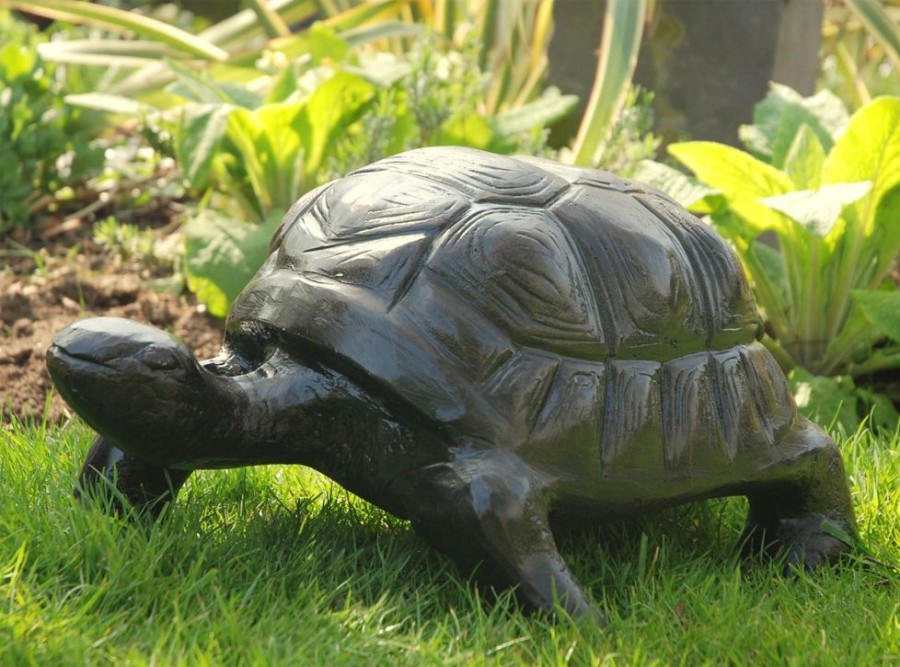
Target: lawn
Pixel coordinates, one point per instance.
(277, 565)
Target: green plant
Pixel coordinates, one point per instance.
(126, 240)
(812, 217)
(630, 140)
(45, 144)
(142, 67)
(861, 49)
(623, 27)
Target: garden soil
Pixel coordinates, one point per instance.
(43, 292)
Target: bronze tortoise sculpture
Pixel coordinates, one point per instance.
(485, 346)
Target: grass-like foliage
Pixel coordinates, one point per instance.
(277, 565)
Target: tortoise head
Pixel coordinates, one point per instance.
(134, 384)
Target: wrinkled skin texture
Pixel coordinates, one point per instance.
(485, 346)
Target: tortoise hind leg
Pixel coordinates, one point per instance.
(797, 512)
(490, 516)
(145, 487)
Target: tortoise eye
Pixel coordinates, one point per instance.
(158, 359)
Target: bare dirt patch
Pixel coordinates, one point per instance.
(37, 299)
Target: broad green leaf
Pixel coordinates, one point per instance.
(270, 144)
(869, 150)
(680, 187)
(770, 264)
(320, 43)
(326, 46)
(16, 60)
(221, 256)
(383, 70)
(882, 238)
(471, 130)
(198, 138)
(882, 309)
(782, 114)
(330, 108)
(805, 159)
(883, 415)
(741, 178)
(825, 400)
(818, 210)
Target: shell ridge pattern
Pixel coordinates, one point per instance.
(417, 265)
(756, 411)
(523, 296)
(378, 204)
(708, 312)
(632, 402)
(540, 405)
(726, 378)
(572, 406)
(681, 396)
(769, 405)
(479, 176)
(520, 389)
(520, 270)
(445, 337)
(601, 300)
(299, 212)
(711, 261)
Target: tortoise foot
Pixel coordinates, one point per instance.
(123, 481)
(808, 543)
(805, 543)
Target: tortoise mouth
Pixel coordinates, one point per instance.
(61, 354)
(74, 364)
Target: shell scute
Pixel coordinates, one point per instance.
(522, 272)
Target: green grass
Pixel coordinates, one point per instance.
(277, 566)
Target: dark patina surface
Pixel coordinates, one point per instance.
(484, 345)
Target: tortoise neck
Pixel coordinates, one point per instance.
(285, 411)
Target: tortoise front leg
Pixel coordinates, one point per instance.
(146, 487)
(489, 514)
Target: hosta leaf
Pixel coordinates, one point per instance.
(783, 113)
(882, 309)
(818, 210)
(741, 178)
(198, 137)
(221, 255)
(870, 148)
(330, 108)
(825, 400)
(805, 159)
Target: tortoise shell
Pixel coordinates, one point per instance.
(515, 299)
